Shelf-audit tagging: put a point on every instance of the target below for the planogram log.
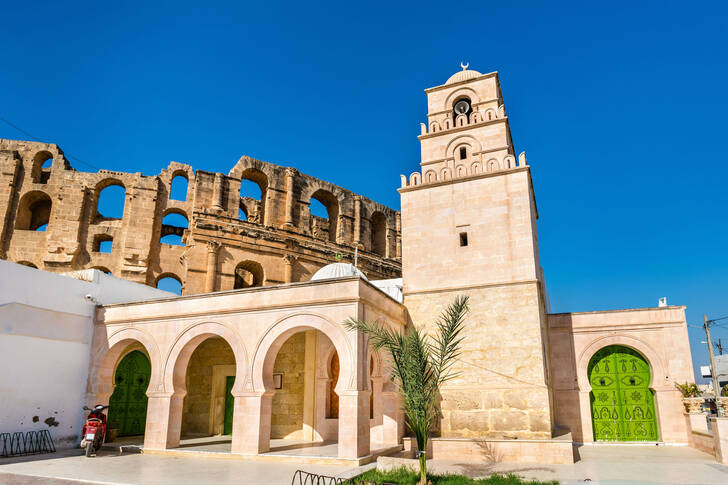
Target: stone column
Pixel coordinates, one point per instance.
(290, 174)
(586, 419)
(288, 261)
(392, 418)
(164, 420)
(217, 193)
(357, 220)
(251, 422)
(720, 438)
(210, 276)
(398, 236)
(309, 387)
(353, 424)
(265, 203)
(339, 236)
(388, 240)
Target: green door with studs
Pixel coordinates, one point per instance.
(229, 404)
(128, 403)
(622, 404)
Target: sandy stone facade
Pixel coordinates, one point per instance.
(187, 338)
(659, 334)
(467, 227)
(469, 221)
(269, 241)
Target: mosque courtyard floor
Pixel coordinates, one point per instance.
(607, 464)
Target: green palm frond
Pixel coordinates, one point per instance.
(420, 364)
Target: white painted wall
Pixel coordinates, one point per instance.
(45, 343)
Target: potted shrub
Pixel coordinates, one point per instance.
(691, 397)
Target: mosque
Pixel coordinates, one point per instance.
(254, 347)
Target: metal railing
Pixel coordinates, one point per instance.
(28, 443)
(305, 478)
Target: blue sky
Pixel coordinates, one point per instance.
(621, 108)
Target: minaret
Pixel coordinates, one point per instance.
(469, 227)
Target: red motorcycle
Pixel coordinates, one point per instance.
(94, 430)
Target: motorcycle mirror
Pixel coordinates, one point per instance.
(86, 408)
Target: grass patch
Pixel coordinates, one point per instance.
(402, 476)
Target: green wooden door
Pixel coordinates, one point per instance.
(128, 403)
(229, 405)
(622, 404)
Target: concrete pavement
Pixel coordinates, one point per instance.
(598, 465)
(109, 467)
(612, 465)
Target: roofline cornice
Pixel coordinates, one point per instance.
(460, 83)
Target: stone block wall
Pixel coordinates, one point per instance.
(501, 391)
(287, 414)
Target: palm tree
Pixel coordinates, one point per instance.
(420, 365)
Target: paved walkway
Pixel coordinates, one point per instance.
(109, 467)
(599, 465)
(614, 464)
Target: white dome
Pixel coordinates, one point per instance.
(337, 270)
(463, 75)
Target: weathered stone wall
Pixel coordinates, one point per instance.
(279, 239)
(501, 391)
(287, 413)
(198, 401)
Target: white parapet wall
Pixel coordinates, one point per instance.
(46, 323)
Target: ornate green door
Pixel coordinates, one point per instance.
(229, 402)
(128, 403)
(622, 404)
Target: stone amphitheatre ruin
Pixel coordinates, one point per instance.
(230, 241)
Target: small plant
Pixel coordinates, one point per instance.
(420, 365)
(403, 476)
(688, 389)
(724, 391)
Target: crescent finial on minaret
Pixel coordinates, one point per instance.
(464, 65)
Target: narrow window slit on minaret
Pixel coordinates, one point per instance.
(463, 239)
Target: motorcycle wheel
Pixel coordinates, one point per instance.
(89, 449)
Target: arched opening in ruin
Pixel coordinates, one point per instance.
(169, 282)
(379, 233)
(254, 185)
(174, 225)
(248, 274)
(103, 243)
(110, 196)
(324, 226)
(178, 187)
(103, 269)
(34, 212)
(28, 264)
(242, 211)
(41, 169)
(208, 405)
